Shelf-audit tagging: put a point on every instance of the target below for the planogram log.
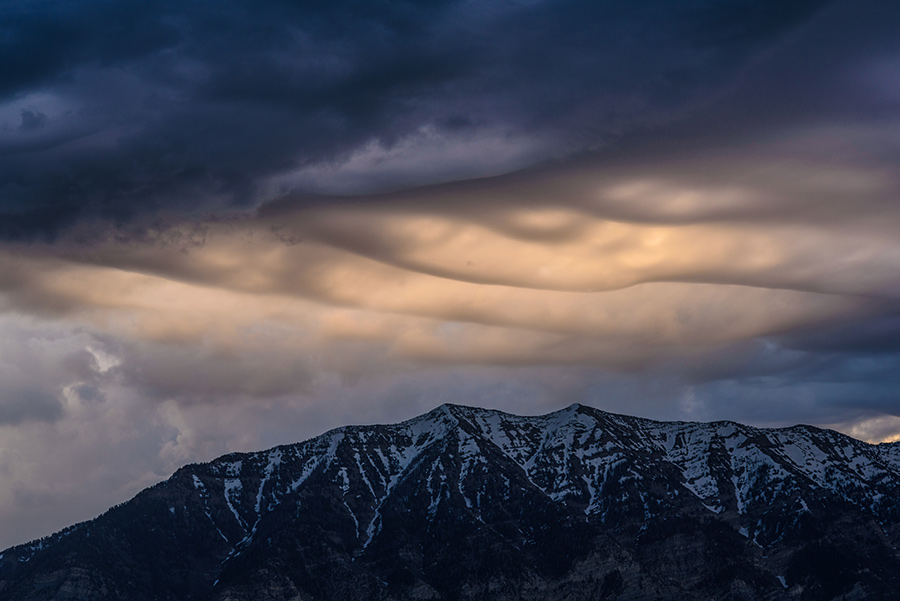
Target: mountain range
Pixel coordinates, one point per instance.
(465, 503)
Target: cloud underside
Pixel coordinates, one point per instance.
(653, 268)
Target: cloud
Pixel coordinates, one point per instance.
(21, 404)
(625, 266)
(425, 156)
(135, 114)
(883, 427)
(36, 366)
(594, 264)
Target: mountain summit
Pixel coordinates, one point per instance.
(465, 503)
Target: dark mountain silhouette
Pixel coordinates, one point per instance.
(465, 503)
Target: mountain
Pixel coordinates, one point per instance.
(465, 503)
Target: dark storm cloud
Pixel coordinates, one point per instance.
(877, 334)
(145, 110)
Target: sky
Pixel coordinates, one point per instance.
(230, 225)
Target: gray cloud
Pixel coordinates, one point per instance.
(36, 365)
(18, 405)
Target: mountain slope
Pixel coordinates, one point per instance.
(466, 503)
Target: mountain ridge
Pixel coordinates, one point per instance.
(579, 501)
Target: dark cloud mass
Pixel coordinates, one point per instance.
(141, 110)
